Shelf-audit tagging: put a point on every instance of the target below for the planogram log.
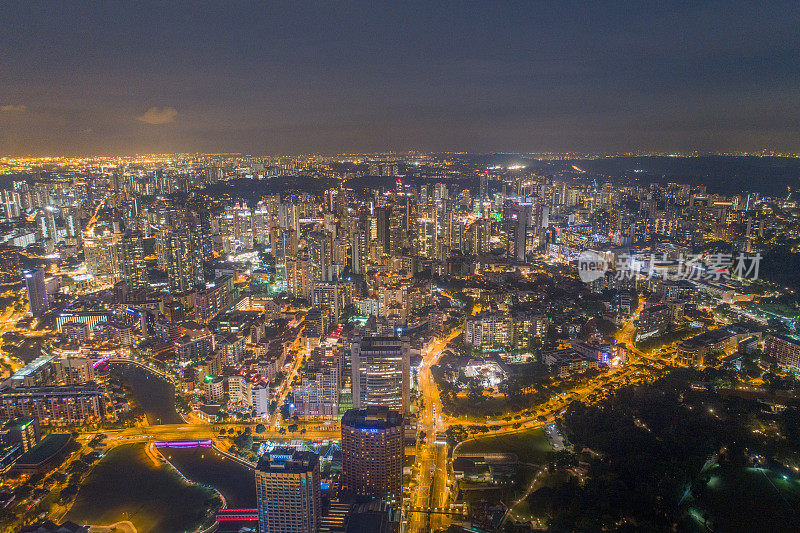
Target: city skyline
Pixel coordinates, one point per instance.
(354, 77)
(408, 267)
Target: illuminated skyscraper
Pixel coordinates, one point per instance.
(372, 452)
(185, 266)
(381, 372)
(320, 252)
(100, 249)
(37, 295)
(288, 493)
(297, 276)
(382, 227)
(358, 241)
(131, 258)
(9, 264)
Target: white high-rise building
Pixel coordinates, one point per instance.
(381, 372)
(261, 400)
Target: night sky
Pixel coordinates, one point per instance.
(125, 77)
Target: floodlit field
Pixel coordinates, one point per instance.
(530, 446)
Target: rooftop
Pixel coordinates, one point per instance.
(32, 367)
(300, 462)
(45, 449)
(374, 417)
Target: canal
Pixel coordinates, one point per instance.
(235, 481)
(153, 394)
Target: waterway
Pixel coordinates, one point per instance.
(152, 393)
(235, 481)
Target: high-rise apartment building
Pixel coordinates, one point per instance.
(185, 260)
(288, 493)
(131, 259)
(9, 264)
(372, 452)
(381, 372)
(320, 252)
(317, 394)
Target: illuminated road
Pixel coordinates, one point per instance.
(167, 432)
(299, 360)
(430, 491)
(8, 322)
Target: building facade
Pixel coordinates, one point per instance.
(288, 493)
(372, 452)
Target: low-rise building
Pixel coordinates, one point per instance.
(785, 349)
(719, 342)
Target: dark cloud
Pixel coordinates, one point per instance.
(329, 77)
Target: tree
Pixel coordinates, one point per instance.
(260, 428)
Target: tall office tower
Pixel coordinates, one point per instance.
(131, 258)
(288, 216)
(372, 452)
(185, 262)
(483, 193)
(298, 270)
(320, 252)
(37, 295)
(288, 493)
(102, 258)
(381, 372)
(398, 227)
(519, 227)
(382, 215)
(358, 243)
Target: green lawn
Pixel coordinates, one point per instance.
(126, 485)
(531, 446)
(747, 499)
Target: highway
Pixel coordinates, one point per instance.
(429, 490)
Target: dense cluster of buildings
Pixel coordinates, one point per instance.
(331, 290)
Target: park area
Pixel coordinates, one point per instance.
(530, 446)
(745, 499)
(533, 451)
(128, 485)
